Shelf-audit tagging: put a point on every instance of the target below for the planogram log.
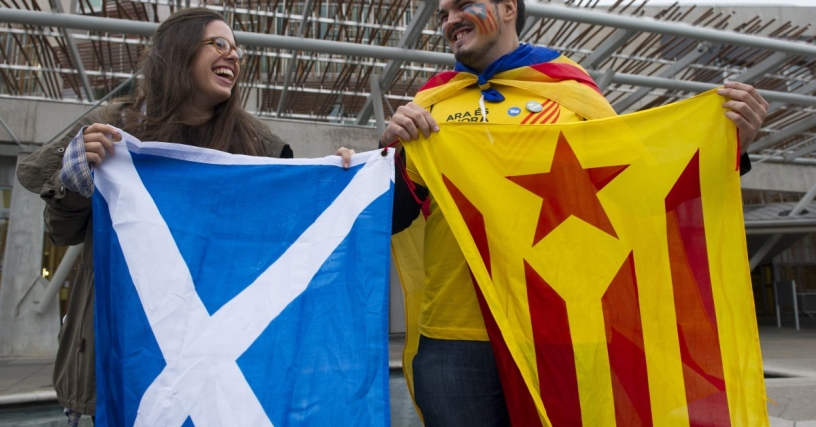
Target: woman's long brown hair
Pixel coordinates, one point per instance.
(166, 90)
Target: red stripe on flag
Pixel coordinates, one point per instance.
(555, 355)
(439, 80)
(473, 219)
(555, 112)
(520, 404)
(627, 358)
(561, 71)
(694, 302)
(557, 116)
(529, 116)
(547, 107)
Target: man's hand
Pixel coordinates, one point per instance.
(746, 108)
(407, 123)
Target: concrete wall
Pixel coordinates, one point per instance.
(318, 140)
(36, 122)
(780, 177)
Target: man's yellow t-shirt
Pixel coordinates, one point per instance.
(449, 308)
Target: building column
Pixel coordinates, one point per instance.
(23, 331)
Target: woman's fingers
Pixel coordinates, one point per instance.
(99, 139)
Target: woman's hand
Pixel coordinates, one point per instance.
(346, 154)
(99, 142)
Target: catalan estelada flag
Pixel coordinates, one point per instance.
(611, 264)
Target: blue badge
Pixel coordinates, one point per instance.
(514, 111)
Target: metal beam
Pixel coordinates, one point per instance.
(61, 70)
(609, 46)
(783, 134)
(756, 159)
(379, 114)
(147, 29)
(409, 38)
(58, 278)
(773, 240)
(692, 86)
(10, 132)
(56, 6)
(529, 23)
(78, 22)
(804, 89)
(780, 226)
(802, 151)
(605, 79)
(96, 104)
(124, 26)
(769, 64)
(681, 29)
(290, 70)
(679, 65)
(319, 91)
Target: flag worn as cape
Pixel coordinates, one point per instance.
(538, 70)
(235, 290)
(611, 264)
(542, 72)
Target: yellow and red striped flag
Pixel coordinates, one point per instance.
(611, 264)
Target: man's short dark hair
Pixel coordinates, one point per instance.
(521, 18)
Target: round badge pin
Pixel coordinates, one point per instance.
(514, 111)
(534, 107)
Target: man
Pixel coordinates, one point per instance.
(456, 382)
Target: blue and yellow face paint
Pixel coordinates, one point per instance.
(483, 17)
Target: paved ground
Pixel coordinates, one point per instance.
(27, 399)
(789, 359)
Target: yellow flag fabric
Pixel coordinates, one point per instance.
(611, 264)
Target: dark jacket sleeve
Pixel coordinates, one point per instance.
(272, 144)
(67, 214)
(745, 164)
(406, 207)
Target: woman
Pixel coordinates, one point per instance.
(188, 95)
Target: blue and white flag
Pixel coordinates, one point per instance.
(241, 291)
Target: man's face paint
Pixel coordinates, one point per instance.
(471, 29)
(482, 16)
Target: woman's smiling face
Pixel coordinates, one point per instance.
(214, 75)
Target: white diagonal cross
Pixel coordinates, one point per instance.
(202, 379)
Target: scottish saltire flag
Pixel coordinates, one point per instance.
(241, 291)
(611, 264)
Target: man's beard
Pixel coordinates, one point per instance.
(474, 55)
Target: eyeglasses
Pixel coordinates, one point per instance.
(224, 47)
